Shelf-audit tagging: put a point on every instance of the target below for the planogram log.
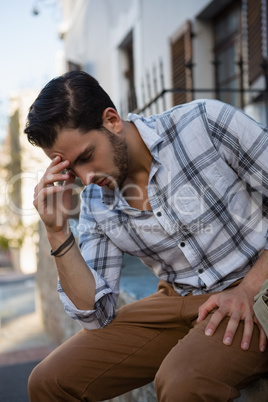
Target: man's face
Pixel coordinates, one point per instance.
(98, 156)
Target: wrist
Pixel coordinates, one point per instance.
(56, 238)
(249, 288)
(64, 247)
(251, 284)
(256, 275)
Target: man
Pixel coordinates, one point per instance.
(186, 192)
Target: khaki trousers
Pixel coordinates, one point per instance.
(156, 338)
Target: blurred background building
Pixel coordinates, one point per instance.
(22, 166)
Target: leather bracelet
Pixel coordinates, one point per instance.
(64, 252)
(56, 253)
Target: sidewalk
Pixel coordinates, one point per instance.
(23, 340)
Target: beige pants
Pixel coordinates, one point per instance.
(155, 338)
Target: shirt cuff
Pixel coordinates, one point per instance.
(266, 245)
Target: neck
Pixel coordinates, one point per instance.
(140, 158)
(139, 165)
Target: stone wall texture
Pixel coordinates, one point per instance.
(57, 323)
(60, 327)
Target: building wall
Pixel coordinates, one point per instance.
(94, 34)
(94, 30)
(21, 217)
(57, 323)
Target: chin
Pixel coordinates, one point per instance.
(111, 186)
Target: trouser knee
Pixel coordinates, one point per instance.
(51, 380)
(191, 386)
(180, 385)
(171, 388)
(36, 380)
(46, 383)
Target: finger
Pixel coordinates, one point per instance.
(57, 166)
(54, 178)
(70, 180)
(214, 322)
(263, 340)
(68, 187)
(206, 308)
(49, 179)
(263, 337)
(46, 192)
(248, 331)
(55, 161)
(231, 328)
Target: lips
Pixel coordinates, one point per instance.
(103, 182)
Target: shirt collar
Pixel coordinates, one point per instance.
(148, 132)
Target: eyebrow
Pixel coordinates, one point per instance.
(81, 155)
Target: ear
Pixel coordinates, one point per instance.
(111, 120)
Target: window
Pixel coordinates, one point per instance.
(73, 66)
(128, 74)
(257, 37)
(228, 55)
(181, 65)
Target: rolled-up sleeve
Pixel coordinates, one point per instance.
(104, 260)
(266, 245)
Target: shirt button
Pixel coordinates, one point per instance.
(159, 213)
(200, 271)
(182, 244)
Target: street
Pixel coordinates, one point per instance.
(17, 297)
(23, 341)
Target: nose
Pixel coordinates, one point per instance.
(85, 176)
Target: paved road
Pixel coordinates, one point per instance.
(137, 280)
(13, 380)
(23, 342)
(17, 296)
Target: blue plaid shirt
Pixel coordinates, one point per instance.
(208, 189)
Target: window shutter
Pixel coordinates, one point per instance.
(255, 29)
(181, 64)
(73, 66)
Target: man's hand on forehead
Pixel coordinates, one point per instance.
(52, 200)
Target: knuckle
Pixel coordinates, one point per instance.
(250, 324)
(221, 312)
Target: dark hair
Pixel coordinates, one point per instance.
(73, 100)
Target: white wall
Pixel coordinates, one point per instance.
(96, 28)
(33, 164)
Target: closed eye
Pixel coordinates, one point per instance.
(84, 159)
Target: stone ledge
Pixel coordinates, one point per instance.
(143, 394)
(24, 356)
(257, 391)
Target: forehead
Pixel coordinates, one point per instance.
(69, 143)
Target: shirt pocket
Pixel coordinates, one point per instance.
(188, 203)
(245, 206)
(203, 201)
